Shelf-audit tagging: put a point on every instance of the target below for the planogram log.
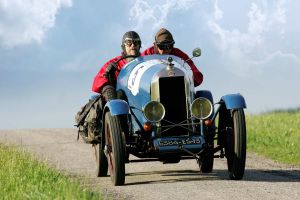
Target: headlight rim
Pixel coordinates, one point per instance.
(206, 116)
(160, 118)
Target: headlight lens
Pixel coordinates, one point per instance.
(154, 111)
(201, 108)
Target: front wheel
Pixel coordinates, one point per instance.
(236, 145)
(115, 147)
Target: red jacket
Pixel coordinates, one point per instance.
(100, 80)
(198, 76)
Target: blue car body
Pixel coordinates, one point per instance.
(137, 84)
(160, 115)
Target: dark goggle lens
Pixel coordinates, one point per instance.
(165, 46)
(130, 42)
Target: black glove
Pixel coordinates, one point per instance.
(109, 93)
(110, 69)
(110, 73)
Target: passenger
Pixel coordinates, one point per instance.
(164, 44)
(131, 44)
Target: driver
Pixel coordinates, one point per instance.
(131, 44)
(88, 119)
(164, 44)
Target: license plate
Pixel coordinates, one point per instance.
(176, 142)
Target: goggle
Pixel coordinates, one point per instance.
(165, 45)
(130, 42)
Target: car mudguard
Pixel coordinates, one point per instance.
(204, 93)
(117, 107)
(234, 101)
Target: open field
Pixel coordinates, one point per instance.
(275, 135)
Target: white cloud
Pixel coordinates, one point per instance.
(263, 19)
(26, 21)
(283, 67)
(155, 13)
(218, 14)
(248, 50)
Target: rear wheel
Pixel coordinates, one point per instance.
(235, 148)
(206, 161)
(115, 146)
(101, 161)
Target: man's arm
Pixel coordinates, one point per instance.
(100, 79)
(198, 76)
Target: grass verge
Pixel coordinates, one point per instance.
(23, 177)
(275, 135)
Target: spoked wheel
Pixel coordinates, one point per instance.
(101, 161)
(235, 148)
(115, 148)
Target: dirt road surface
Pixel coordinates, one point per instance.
(264, 179)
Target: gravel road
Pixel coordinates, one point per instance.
(264, 179)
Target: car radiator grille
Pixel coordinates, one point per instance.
(172, 96)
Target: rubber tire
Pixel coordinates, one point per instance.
(101, 161)
(236, 146)
(207, 161)
(116, 151)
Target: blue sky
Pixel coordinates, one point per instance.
(51, 50)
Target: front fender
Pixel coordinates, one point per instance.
(204, 93)
(117, 107)
(234, 101)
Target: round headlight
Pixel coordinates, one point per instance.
(201, 108)
(154, 111)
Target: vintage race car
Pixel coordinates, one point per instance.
(159, 115)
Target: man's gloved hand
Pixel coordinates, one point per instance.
(109, 93)
(110, 69)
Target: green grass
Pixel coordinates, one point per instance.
(275, 135)
(23, 177)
